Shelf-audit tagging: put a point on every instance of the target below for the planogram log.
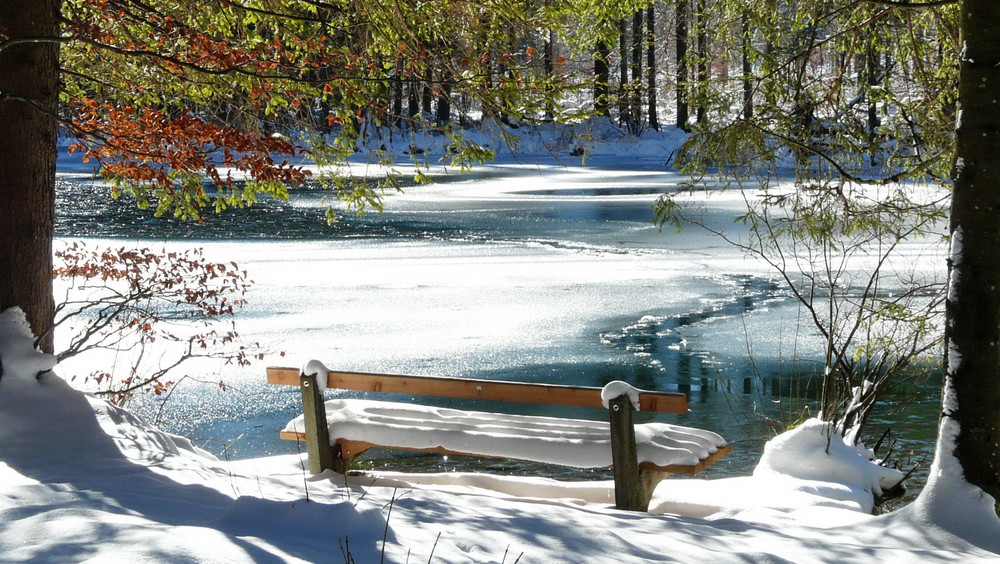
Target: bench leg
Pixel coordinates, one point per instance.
(632, 493)
(340, 464)
(317, 433)
(649, 480)
(344, 453)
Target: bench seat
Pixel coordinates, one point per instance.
(358, 424)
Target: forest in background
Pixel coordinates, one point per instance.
(858, 90)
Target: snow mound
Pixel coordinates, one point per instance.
(810, 466)
(951, 503)
(815, 451)
(21, 361)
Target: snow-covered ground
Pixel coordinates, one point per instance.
(81, 480)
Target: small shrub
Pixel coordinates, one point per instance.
(171, 306)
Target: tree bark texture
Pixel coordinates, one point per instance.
(654, 120)
(681, 37)
(635, 87)
(972, 383)
(29, 90)
(602, 78)
(623, 85)
(703, 75)
(747, 70)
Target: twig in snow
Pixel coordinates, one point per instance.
(345, 551)
(433, 548)
(385, 531)
(302, 466)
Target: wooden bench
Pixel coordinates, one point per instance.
(334, 444)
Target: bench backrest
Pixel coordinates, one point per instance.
(468, 388)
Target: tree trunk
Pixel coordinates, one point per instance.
(623, 89)
(635, 86)
(602, 78)
(682, 63)
(972, 333)
(548, 64)
(397, 99)
(747, 70)
(871, 75)
(413, 101)
(444, 100)
(654, 120)
(427, 97)
(29, 90)
(702, 61)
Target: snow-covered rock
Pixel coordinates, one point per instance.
(808, 467)
(815, 451)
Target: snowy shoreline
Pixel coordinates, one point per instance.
(81, 480)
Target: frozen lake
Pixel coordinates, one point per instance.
(540, 273)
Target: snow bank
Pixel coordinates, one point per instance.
(34, 402)
(594, 138)
(21, 361)
(84, 481)
(809, 466)
(951, 503)
(536, 488)
(815, 451)
(568, 442)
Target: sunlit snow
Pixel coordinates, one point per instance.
(83, 480)
(554, 440)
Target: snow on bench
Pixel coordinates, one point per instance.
(641, 454)
(578, 443)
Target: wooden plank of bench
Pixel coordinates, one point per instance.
(689, 470)
(468, 388)
(350, 449)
